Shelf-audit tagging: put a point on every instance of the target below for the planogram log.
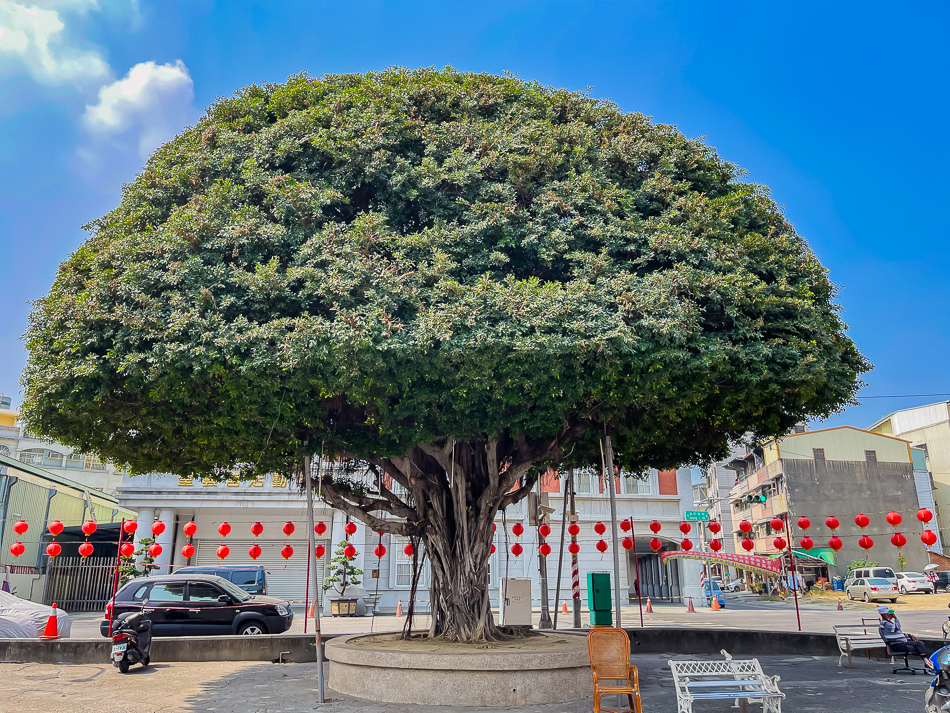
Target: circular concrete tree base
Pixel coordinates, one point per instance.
(551, 668)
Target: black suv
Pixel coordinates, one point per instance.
(199, 605)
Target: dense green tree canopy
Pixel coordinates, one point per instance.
(390, 264)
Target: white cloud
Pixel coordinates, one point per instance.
(148, 106)
(35, 37)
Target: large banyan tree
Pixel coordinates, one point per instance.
(454, 278)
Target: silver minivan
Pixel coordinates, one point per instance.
(869, 572)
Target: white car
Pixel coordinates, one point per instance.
(22, 612)
(908, 582)
(874, 589)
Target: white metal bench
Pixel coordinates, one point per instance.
(738, 679)
(857, 637)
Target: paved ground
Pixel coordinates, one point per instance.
(811, 684)
(742, 612)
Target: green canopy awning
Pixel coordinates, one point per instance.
(822, 553)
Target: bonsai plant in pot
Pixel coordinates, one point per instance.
(342, 574)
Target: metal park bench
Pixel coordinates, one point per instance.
(858, 637)
(721, 680)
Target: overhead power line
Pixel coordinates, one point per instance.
(902, 396)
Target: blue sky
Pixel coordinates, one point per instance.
(839, 107)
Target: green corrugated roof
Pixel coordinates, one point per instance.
(45, 475)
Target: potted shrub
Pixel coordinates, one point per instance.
(342, 574)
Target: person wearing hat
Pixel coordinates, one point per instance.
(890, 629)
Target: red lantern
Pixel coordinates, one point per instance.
(350, 528)
(17, 549)
(154, 550)
(318, 551)
(745, 526)
(804, 523)
(55, 527)
(544, 549)
(517, 529)
(835, 543)
(379, 551)
(127, 549)
(627, 543)
(254, 552)
(685, 527)
(928, 537)
(898, 540)
(492, 550)
(715, 545)
(806, 543)
(223, 551)
(53, 549)
(256, 529)
(189, 529)
(517, 549)
(862, 521)
(600, 528)
(158, 527)
(88, 527)
(625, 525)
(865, 543)
(573, 529)
(686, 545)
(407, 550)
(20, 526)
(188, 551)
(748, 545)
(349, 552)
(655, 527)
(924, 515)
(224, 529)
(779, 543)
(85, 549)
(601, 546)
(715, 528)
(776, 524)
(286, 552)
(832, 523)
(130, 527)
(320, 528)
(656, 544)
(573, 548)
(544, 530)
(288, 528)
(893, 518)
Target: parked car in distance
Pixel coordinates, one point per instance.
(734, 586)
(714, 591)
(868, 572)
(251, 579)
(942, 581)
(199, 605)
(908, 582)
(873, 589)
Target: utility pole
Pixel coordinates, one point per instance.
(575, 573)
(545, 622)
(313, 570)
(612, 485)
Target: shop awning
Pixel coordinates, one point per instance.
(815, 553)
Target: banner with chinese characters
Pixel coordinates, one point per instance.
(760, 565)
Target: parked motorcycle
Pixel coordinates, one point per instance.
(131, 641)
(937, 698)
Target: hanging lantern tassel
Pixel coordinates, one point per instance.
(898, 540)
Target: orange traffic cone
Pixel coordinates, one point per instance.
(310, 611)
(52, 626)
(564, 608)
(399, 608)
(840, 608)
(715, 603)
(649, 609)
(690, 607)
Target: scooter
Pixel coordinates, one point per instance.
(131, 641)
(937, 698)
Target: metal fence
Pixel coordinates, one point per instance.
(80, 585)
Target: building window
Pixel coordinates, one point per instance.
(582, 479)
(75, 461)
(636, 486)
(818, 453)
(31, 456)
(4, 450)
(53, 459)
(870, 456)
(402, 564)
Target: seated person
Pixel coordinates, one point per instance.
(899, 642)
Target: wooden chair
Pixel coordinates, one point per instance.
(609, 651)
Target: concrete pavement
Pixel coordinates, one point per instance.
(811, 684)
